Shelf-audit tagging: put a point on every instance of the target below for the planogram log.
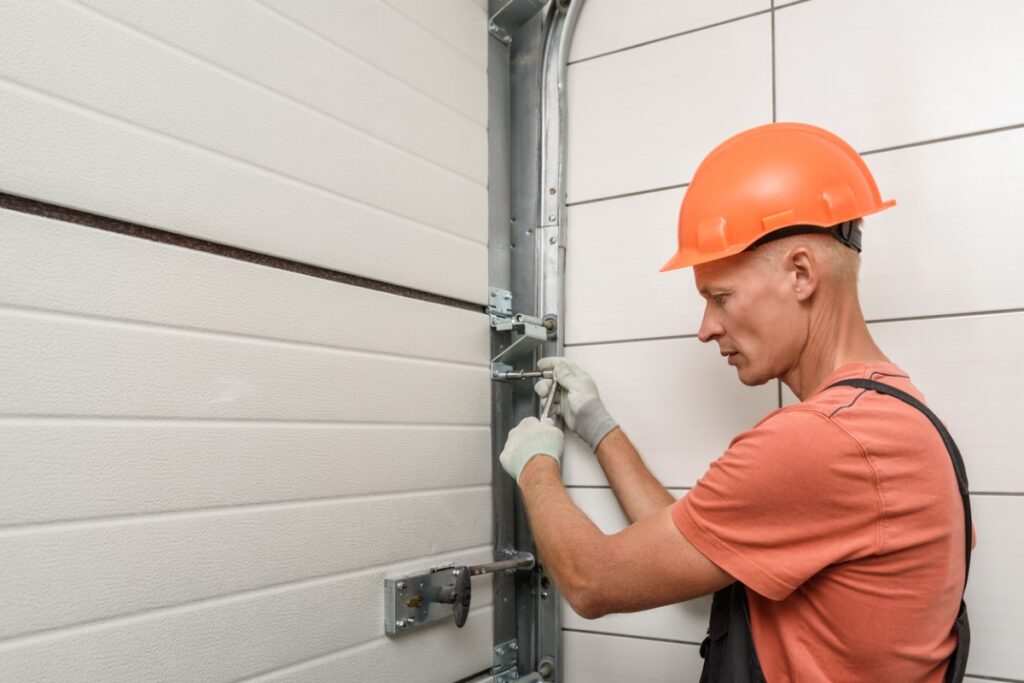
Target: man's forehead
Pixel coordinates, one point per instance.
(724, 273)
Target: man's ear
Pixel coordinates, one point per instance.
(805, 269)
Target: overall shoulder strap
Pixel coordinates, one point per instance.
(947, 439)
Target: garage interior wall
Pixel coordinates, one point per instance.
(927, 91)
(214, 446)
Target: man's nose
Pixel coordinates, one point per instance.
(710, 327)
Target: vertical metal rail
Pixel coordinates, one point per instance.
(527, 129)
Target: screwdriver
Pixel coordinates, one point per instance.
(523, 374)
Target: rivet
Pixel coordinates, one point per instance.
(401, 585)
(551, 240)
(552, 217)
(551, 190)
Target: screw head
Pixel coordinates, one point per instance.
(401, 585)
(552, 217)
(551, 240)
(551, 190)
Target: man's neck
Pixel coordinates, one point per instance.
(837, 336)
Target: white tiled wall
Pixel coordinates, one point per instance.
(654, 87)
(210, 466)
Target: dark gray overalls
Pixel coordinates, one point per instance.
(728, 651)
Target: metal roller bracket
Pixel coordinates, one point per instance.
(529, 332)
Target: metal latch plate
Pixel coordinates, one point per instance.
(408, 603)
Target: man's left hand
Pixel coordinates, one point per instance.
(530, 438)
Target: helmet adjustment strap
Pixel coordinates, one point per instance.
(846, 232)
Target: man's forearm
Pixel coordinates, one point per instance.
(565, 536)
(638, 491)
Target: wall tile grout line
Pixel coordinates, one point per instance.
(625, 194)
(947, 138)
(875, 321)
(629, 635)
(68, 215)
(669, 37)
(880, 150)
(775, 115)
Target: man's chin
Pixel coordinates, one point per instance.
(751, 379)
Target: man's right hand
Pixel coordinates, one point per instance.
(579, 403)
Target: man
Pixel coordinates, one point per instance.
(836, 521)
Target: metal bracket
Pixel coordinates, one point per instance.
(511, 16)
(505, 657)
(409, 601)
(425, 597)
(532, 332)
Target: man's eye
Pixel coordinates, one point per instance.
(719, 299)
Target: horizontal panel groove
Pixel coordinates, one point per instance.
(145, 419)
(629, 635)
(128, 420)
(324, 39)
(668, 37)
(68, 215)
(295, 666)
(71, 105)
(217, 334)
(433, 33)
(627, 194)
(283, 96)
(57, 526)
(247, 594)
(981, 677)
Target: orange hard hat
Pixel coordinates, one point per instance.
(772, 181)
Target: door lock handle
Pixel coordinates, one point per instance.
(423, 598)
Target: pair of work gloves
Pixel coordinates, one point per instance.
(578, 403)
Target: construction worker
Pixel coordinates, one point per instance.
(834, 532)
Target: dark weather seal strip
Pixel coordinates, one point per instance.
(67, 215)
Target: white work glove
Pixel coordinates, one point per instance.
(529, 438)
(578, 403)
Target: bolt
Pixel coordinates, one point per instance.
(513, 645)
(544, 595)
(401, 585)
(551, 190)
(493, 294)
(400, 623)
(551, 240)
(552, 217)
(508, 297)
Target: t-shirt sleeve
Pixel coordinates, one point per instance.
(789, 497)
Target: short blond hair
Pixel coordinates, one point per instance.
(844, 262)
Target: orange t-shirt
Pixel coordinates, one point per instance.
(841, 515)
